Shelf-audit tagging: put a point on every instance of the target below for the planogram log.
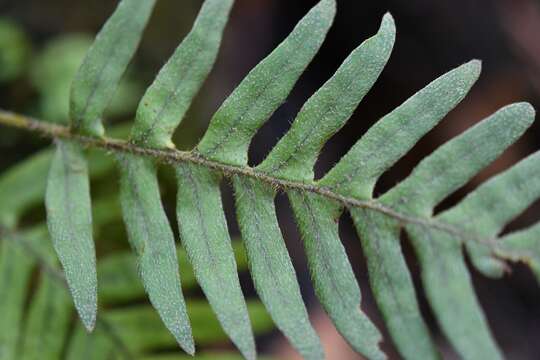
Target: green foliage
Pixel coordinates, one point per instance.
(69, 216)
(439, 240)
(15, 50)
(264, 89)
(209, 248)
(152, 239)
(132, 331)
(43, 333)
(271, 267)
(166, 102)
(99, 75)
(52, 73)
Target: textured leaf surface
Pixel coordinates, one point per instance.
(168, 99)
(105, 63)
(333, 277)
(447, 281)
(329, 109)
(457, 161)
(356, 175)
(392, 285)
(396, 133)
(270, 266)
(265, 88)
(448, 287)
(69, 218)
(484, 213)
(205, 236)
(23, 185)
(487, 210)
(151, 237)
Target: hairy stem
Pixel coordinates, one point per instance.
(173, 156)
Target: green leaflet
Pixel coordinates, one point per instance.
(119, 281)
(447, 169)
(264, 89)
(151, 237)
(104, 342)
(47, 322)
(166, 102)
(52, 72)
(446, 279)
(23, 186)
(69, 218)
(356, 175)
(333, 277)
(104, 64)
(205, 236)
(396, 133)
(392, 285)
(454, 163)
(270, 265)
(15, 271)
(492, 206)
(328, 110)
(522, 246)
(294, 157)
(450, 293)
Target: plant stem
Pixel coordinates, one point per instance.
(173, 156)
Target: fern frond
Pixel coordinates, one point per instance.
(105, 63)
(13, 262)
(439, 240)
(42, 333)
(205, 236)
(69, 216)
(166, 102)
(151, 237)
(264, 89)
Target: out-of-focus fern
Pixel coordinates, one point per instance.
(438, 240)
(15, 50)
(44, 329)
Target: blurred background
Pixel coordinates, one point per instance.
(42, 44)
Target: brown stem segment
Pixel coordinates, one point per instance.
(173, 156)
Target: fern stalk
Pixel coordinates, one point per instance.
(176, 157)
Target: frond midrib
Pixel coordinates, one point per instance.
(174, 156)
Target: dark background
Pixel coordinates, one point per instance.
(433, 37)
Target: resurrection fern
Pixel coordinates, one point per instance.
(123, 330)
(473, 224)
